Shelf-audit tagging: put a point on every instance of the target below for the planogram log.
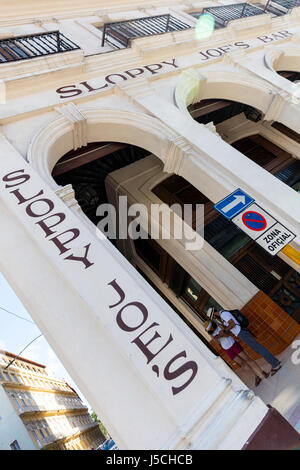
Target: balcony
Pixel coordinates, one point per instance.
(226, 13)
(286, 4)
(35, 45)
(120, 34)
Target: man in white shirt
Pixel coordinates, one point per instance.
(232, 325)
(224, 339)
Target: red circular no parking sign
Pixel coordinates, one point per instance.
(254, 221)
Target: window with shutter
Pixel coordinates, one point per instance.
(290, 175)
(263, 152)
(256, 273)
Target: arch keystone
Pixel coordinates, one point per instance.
(188, 89)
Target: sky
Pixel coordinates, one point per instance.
(16, 333)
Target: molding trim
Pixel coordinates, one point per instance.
(79, 121)
(67, 195)
(115, 125)
(178, 150)
(212, 128)
(281, 98)
(2, 92)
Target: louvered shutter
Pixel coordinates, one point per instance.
(256, 274)
(290, 175)
(220, 232)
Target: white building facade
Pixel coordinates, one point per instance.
(107, 86)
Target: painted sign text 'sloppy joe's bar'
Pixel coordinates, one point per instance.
(74, 90)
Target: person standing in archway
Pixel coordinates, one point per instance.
(231, 325)
(235, 351)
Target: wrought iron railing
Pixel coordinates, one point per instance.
(226, 13)
(34, 45)
(286, 4)
(120, 34)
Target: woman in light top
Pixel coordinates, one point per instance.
(235, 351)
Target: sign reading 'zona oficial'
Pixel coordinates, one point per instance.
(264, 229)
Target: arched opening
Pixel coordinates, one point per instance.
(114, 139)
(259, 149)
(220, 110)
(54, 141)
(87, 169)
(228, 93)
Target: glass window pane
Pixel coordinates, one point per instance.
(234, 245)
(193, 289)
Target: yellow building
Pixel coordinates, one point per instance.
(39, 411)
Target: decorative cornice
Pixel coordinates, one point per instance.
(19, 386)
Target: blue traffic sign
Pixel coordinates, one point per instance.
(233, 204)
